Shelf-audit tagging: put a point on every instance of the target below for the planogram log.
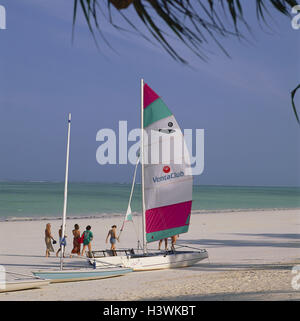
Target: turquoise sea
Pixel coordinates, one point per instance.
(35, 200)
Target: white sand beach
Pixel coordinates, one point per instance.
(251, 255)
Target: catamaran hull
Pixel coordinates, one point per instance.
(153, 261)
(20, 285)
(72, 276)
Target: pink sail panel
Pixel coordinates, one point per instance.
(167, 217)
(149, 95)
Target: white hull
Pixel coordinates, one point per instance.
(58, 276)
(156, 261)
(19, 285)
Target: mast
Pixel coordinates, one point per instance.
(65, 195)
(142, 165)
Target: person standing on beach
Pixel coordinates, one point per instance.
(166, 244)
(112, 233)
(76, 240)
(174, 239)
(48, 238)
(87, 238)
(62, 241)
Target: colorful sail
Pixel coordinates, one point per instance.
(168, 180)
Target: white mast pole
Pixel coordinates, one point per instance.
(65, 194)
(142, 164)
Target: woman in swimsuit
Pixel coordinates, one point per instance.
(87, 239)
(113, 239)
(76, 240)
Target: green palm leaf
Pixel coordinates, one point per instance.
(194, 23)
(293, 93)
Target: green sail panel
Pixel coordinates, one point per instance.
(159, 235)
(155, 111)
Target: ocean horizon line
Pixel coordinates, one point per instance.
(136, 214)
(138, 183)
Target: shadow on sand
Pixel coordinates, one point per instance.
(223, 267)
(246, 243)
(232, 296)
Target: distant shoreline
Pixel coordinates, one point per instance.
(135, 214)
(138, 183)
(43, 201)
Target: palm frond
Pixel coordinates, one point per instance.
(293, 93)
(194, 23)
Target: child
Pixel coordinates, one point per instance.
(62, 241)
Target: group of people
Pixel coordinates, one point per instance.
(85, 238)
(78, 239)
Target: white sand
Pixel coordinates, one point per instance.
(251, 255)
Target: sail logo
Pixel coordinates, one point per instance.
(166, 169)
(2, 17)
(157, 179)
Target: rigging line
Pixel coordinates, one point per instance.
(190, 247)
(130, 198)
(108, 264)
(21, 274)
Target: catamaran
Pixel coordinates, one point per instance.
(167, 184)
(23, 284)
(19, 282)
(82, 274)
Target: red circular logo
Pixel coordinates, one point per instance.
(166, 169)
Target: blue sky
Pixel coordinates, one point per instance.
(243, 103)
